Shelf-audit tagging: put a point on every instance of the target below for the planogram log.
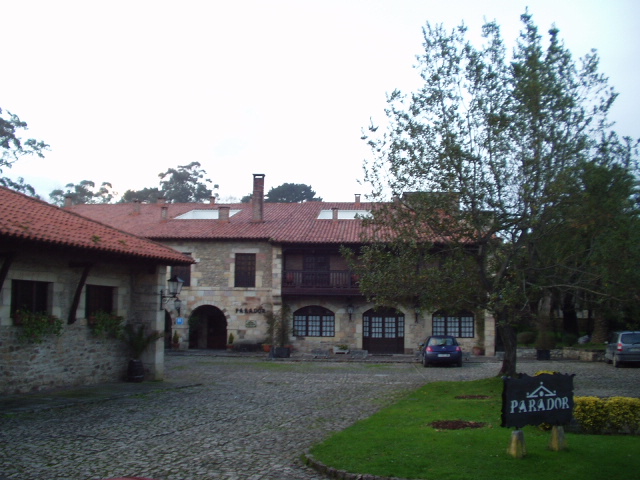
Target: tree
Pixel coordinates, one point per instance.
(83, 192)
(292, 193)
(146, 195)
(500, 144)
(13, 147)
(183, 184)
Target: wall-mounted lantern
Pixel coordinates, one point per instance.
(175, 287)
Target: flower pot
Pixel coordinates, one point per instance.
(135, 371)
(282, 352)
(266, 347)
(478, 351)
(543, 354)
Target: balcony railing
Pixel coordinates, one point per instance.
(332, 281)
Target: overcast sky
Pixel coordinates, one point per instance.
(124, 90)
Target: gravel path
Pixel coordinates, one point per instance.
(246, 419)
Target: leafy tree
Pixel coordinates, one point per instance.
(146, 195)
(184, 184)
(501, 144)
(292, 193)
(83, 192)
(13, 147)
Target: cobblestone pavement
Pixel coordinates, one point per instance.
(243, 418)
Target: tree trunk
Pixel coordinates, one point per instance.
(600, 328)
(508, 335)
(569, 316)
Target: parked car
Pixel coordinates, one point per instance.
(442, 349)
(623, 347)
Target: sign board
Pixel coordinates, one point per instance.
(250, 324)
(534, 400)
(180, 321)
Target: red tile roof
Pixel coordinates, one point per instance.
(283, 222)
(27, 219)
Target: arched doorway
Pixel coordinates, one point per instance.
(383, 330)
(207, 328)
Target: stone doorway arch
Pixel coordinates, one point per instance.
(207, 328)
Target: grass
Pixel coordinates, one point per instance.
(399, 441)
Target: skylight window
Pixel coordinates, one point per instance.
(209, 214)
(344, 214)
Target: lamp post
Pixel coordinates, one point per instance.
(175, 287)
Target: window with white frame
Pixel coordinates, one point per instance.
(314, 321)
(459, 325)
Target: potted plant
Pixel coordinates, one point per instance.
(138, 341)
(175, 340)
(230, 341)
(544, 343)
(36, 325)
(278, 331)
(341, 348)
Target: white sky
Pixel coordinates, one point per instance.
(124, 90)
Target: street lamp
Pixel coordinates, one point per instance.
(175, 286)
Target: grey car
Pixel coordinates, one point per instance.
(623, 347)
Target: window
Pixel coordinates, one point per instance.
(461, 325)
(30, 296)
(99, 299)
(314, 322)
(245, 270)
(183, 272)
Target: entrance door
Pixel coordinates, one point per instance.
(383, 331)
(208, 328)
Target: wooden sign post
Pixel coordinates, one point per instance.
(535, 400)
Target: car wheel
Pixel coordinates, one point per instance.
(616, 363)
(424, 362)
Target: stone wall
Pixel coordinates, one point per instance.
(74, 358)
(77, 357)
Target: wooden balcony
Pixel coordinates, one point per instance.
(325, 282)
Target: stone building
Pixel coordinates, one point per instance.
(65, 268)
(253, 258)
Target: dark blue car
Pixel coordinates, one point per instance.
(442, 349)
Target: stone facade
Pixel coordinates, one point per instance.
(212, 284)
(77, 356)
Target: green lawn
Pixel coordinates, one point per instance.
(399, 441)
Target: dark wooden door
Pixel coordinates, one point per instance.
(383, 331)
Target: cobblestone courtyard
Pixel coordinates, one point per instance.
(240, 418)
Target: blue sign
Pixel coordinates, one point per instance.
(179, 321)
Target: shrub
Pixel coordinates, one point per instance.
(614, 415)
(526, 338)
(569, 339)
(106, 325)
(36, 325)
(545, 340)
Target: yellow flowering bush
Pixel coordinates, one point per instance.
(613, 415)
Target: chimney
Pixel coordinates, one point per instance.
(257, 198)
(68, 201)
(334, 213)
(212, 199)
(164, 212)
(223, 214)
(136, 206)
(161, 200)
(357, 199)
